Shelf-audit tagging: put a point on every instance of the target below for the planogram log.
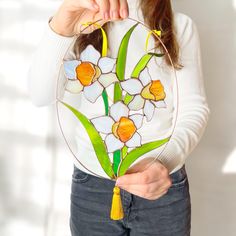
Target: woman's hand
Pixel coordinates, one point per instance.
(151, 183)
(73, 13)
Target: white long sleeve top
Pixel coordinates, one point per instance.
(193, 110)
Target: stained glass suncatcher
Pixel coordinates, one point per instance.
(111, 96)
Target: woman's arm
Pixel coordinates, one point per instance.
(193, 111)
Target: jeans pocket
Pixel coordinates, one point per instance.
(79, 176)
(179, 178)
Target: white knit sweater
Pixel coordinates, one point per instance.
(193, 110)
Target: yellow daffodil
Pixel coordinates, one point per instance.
(147, 94)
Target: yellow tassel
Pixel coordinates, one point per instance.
(117, 212)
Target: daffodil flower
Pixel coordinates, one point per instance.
(120, 127)
(147, 94)
(90, 74)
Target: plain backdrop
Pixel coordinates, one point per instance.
(35, 164)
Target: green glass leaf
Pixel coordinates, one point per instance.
(117, 92)
(157, 54)
(96, 140)
(138, 152)
(122, 54)
(127, 99)
(124, 151)
(121, 63)
(141, 65)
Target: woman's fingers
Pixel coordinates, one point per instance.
(124, 9)
(150, 183)
(144, 177)
(114, 9)
(152, 174)
(144, 188)
(151, 191)
(104, 6)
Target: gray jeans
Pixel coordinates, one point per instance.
(91, 197)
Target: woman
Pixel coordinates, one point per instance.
(156, 200)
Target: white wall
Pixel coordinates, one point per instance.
(212, 165)
(34, 169)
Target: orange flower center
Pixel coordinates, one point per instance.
(154, 91)
(87, 72)
(124, 129)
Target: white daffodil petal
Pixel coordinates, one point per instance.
(74, 86)
(137, 103)
(90, 54)
(107, 79)
(106, 64)
(135, 141)
(132, 86)
(93, 91)
(69, 68)
(114, 69)
(103, 124)
(160, 104)
(148, 110)
(118, 110)
(137, 119)
(113, 143)
(145, 77)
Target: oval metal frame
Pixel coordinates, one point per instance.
(175, 98)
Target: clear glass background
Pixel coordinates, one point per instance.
(35, 164)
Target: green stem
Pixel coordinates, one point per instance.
(124, 151)
(116, 160)
(105, 100)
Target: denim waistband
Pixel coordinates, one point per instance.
(181, 173)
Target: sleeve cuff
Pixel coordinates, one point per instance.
(171, 157)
